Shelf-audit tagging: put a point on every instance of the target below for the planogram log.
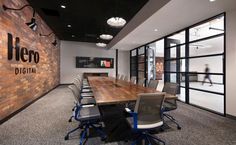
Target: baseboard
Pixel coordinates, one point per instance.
(25, 106)
(231, 116)
(66, 84)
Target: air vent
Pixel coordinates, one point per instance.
(50, 12)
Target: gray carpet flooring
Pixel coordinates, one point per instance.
(46, 122)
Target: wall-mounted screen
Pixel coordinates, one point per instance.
(94, 62)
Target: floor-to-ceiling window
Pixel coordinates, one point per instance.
(193, 58)
(206, 62)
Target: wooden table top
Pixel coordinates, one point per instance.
(108, 90)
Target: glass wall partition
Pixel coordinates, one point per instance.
(133, 63)
(206, 63)
(175, 66)
(155, 62)
(194, 58)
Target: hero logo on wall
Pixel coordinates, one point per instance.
(22, 54)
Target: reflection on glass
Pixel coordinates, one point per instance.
(196, 81)
(141, 58)
(207, 100)
(141, 50)
(141, 66)
(133, 53)
(178, 38)
(176, 52)
(173, 78)
(207, 47)
(210, 28)
(181, 95)
(215, 64)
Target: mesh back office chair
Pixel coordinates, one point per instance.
(133, 80)
(122, 77)
(141, 81)
(82, 79)
(153, 84)
(88, 116)
(147, 116)
(80, 87)
(126, 78)
(169, 105)
(80, 100)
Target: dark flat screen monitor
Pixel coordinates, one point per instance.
(94, 62)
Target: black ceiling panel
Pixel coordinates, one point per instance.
(87, 17)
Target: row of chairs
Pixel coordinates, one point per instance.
(85, 111)
(146, 116)
(152, 83)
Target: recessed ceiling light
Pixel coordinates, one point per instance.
(101, 44)
(116, 22)
(155, 30)
(212, 0)
(69, 26)
(106, 36)
(63, 6)
(73, 36)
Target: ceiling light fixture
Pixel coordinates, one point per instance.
(72, 36)
(69, 26)
(106, 36)
(101, 44)
(63, 6)
(32, 24)
(212, 0)
(116, 22)
(155, 30)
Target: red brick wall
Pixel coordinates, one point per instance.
(19, 90)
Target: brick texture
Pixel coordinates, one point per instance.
(18, 90)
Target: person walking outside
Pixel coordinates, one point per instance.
(207, 75)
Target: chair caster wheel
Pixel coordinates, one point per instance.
(178, 127)
(66, 137)
(70, 120)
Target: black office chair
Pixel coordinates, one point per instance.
(153, 84)
(170, 105)
(141, 81)
(88, 116)
(83, 85)
(146, 116)
(79, 85)
(80, 100)
(126, 78)
(82, 79)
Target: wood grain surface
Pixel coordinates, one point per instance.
(108, 90)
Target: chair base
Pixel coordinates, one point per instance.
(171, 118)
(147, 138)
(83, 135)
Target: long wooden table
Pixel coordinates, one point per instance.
(108, 90)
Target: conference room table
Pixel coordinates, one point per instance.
(109, 90)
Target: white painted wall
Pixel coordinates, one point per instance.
(71, 49)
(124, 63)
(231, 62)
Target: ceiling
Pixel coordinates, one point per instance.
(86, 17)
(174, 16)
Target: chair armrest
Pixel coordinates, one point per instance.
(135, 117)
(128, 110)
